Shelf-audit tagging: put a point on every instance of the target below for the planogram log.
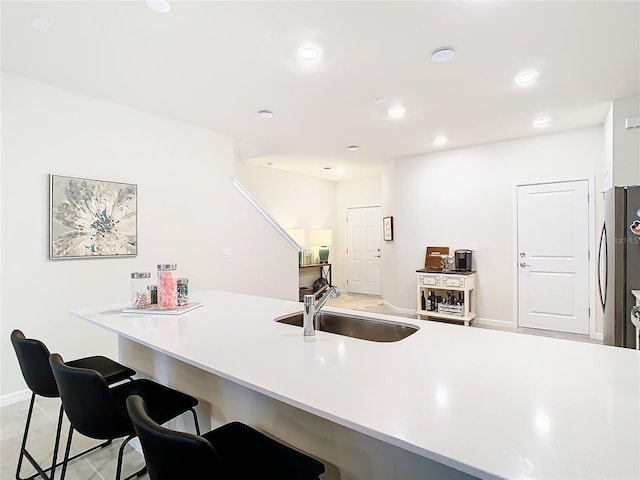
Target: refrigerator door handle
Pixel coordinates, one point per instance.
(603, 259)
(635, 319)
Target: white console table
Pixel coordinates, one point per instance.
(442, 282)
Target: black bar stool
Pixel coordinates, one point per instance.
(33, 357)
(100, 412)
(234, 450)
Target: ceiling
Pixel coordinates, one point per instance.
(216, 64)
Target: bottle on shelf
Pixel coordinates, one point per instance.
(423, 301)
(438, 301)
(432, 301)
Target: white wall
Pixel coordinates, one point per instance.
(387, 184)
(187, 212)
(365, 192)
(460, 197)
(294, 201)
(300, 201)
(607, 128)
(626, 143)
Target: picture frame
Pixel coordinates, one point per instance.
(434, 256)
(387, 229)
(92, 218)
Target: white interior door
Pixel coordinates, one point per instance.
(364, 272)
(553, 256)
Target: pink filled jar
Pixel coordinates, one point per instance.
(167, 286)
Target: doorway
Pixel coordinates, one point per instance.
(364, 266)
(553, 256)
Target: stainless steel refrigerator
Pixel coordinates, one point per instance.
(619, 264)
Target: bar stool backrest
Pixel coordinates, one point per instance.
(88, 402)
(171, 454)
(33, 357)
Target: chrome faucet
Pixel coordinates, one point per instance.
(312, 308)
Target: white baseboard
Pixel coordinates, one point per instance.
(597, 336)
(489, 322)
(406, 311)
(15, 397)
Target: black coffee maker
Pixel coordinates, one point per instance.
(463, 260)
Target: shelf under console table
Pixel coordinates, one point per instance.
(459, 285)
(325, 270)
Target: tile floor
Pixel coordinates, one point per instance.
(101, 464)
(98, 465)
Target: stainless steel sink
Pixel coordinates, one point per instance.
(356, 327)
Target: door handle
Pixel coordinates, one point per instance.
(377, 256)
(522, 264)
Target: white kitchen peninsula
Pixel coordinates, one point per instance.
(445, 402)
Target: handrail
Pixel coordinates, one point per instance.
(265, 214)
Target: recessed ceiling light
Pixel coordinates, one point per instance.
(339, 171)
(440, 140)
(265, 114)
(309, 53)
(377, 99)
(40, 24)
(525, 79)
(159, 6)
(541, 122)
(353, 148)
(397, 111)
(442, 55)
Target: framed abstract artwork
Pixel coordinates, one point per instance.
(91, 218)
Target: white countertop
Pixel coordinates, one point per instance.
(486, 402)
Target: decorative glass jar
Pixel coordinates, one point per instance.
(167, 286)
(140, 296)
(183, 291)
(153, 291)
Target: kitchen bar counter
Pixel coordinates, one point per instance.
(487, 403)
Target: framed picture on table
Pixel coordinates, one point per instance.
(387, 228)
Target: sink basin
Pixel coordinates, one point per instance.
(356, 327)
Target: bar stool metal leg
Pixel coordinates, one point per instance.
(54, 464)
(23, 448)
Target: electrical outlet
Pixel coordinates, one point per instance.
(632, 122)
(226, 252)
(473, 246)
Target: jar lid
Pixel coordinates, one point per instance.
(140, 275)
(167, 266)
(183, 281)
